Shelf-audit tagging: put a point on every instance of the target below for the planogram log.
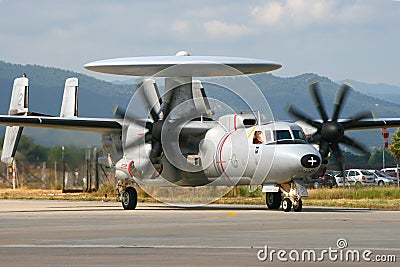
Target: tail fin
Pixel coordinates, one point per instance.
(19, 97)
(69, 106)
(18, 106)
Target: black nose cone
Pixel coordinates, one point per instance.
(310, 161)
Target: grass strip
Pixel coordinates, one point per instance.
(368, 197)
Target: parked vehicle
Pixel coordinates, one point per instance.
(356, 177)
(339, 180)
(328, 179)
(382, 178)
(391, 171)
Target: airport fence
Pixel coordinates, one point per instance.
(86, 177)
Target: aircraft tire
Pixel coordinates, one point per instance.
(273, 200)
(286, 205)
(129, 198)
(299, 207)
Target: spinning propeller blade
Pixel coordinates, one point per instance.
(153, 103)
(330, 133)
(315, 93)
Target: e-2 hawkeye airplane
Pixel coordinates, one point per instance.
(181, 145)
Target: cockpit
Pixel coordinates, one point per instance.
(283, 133)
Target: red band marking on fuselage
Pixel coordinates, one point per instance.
(220, 149)
(130, 168)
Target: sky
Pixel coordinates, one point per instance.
(339, 39)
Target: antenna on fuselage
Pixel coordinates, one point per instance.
(258, 118)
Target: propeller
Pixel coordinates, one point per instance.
(331, 132)
(152, 101)
(151, 135)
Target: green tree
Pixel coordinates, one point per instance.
(376, 158)
(395, 146)
(33, 153)
(73, 156)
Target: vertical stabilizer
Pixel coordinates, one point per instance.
(11, 139)
(69, 106)
(19, 97)
(18, 106)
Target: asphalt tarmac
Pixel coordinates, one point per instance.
(66, 233)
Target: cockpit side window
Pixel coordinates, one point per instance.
(282, 135)
(268, 137)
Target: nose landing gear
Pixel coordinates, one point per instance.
(286, 205)
(292, 193)
(288, 196)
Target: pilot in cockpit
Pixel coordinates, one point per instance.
(257, 139)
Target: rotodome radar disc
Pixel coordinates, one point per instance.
(199, 66)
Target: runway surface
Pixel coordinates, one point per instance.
(65, 233)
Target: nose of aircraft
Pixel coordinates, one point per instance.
(294, 161)
(310, 161)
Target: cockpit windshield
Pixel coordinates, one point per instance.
(282, 135)
(299, 134)
(286, 136)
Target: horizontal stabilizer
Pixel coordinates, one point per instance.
(69, 106)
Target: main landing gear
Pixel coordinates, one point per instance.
(273, 200)
(127, 193)
(129, 198)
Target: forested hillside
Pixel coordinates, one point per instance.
(97, 97)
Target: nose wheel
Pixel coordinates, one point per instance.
(286, 205)
(299, 206)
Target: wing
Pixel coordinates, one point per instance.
(96, 125)
(372, 123)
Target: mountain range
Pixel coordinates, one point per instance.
(97, 97)
(383, 91)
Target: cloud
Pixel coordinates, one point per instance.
(180, 26)
(296, 33)
(203, 12)
(223, 29)
(269, 14)
(303, 13)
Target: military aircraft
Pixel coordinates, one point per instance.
(180, 144)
